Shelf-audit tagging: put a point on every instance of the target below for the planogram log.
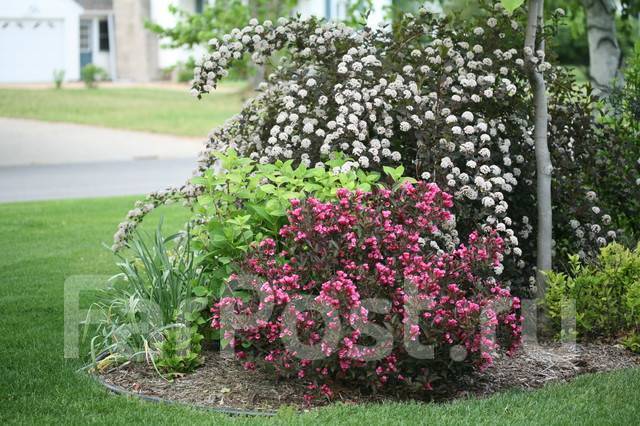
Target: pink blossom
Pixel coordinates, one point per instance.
(372, 245)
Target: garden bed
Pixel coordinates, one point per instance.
(223, 382)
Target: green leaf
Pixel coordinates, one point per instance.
(200, 291)
(199, 180)
(291, 194)
(202, 302)
(395, 174)
(205, 200)
(260, 212)
(268, 188)
(511, 5)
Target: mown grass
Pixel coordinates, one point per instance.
(146, 109)
(44, 243)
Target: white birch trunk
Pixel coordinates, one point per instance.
(543, 158)
(605, 55)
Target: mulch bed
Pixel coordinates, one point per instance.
(223, 382)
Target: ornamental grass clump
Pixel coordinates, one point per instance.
(152, 310)
(372, 288)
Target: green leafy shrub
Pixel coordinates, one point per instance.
(606, 295)
(247, 202)
(242, 202)
(91, 74)
(154, 308)
(179, 352)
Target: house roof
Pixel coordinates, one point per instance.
(96, 4)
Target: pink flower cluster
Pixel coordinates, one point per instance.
(358, 289)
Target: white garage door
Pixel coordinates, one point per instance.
(30, 49)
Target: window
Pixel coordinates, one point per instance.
(103, 33)
(199, 6)
(85, 35)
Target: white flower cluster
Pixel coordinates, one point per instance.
(454, 110)
(595, 230)
(445, 110)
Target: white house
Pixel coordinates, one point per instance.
(38, 37)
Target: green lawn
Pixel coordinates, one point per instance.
(44, 243)
(155, 110)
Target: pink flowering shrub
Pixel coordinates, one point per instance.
(360, 289)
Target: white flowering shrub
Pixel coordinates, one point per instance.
(452, 106)
(446, 104)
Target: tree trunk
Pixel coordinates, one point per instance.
(605, 56)
(258, 78)
(544, 168)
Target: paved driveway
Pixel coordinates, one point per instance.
(86, 180)
(41, 160)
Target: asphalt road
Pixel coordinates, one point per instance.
(88, 180)
(40, 161)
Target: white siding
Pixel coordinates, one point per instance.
(18, 61)
(160, 14)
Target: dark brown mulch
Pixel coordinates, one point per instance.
(223, 382)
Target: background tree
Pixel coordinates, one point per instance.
(605, 56)
(595, 35)
(598, 34)
(358, 12)
(194, 29)
(216, 20)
